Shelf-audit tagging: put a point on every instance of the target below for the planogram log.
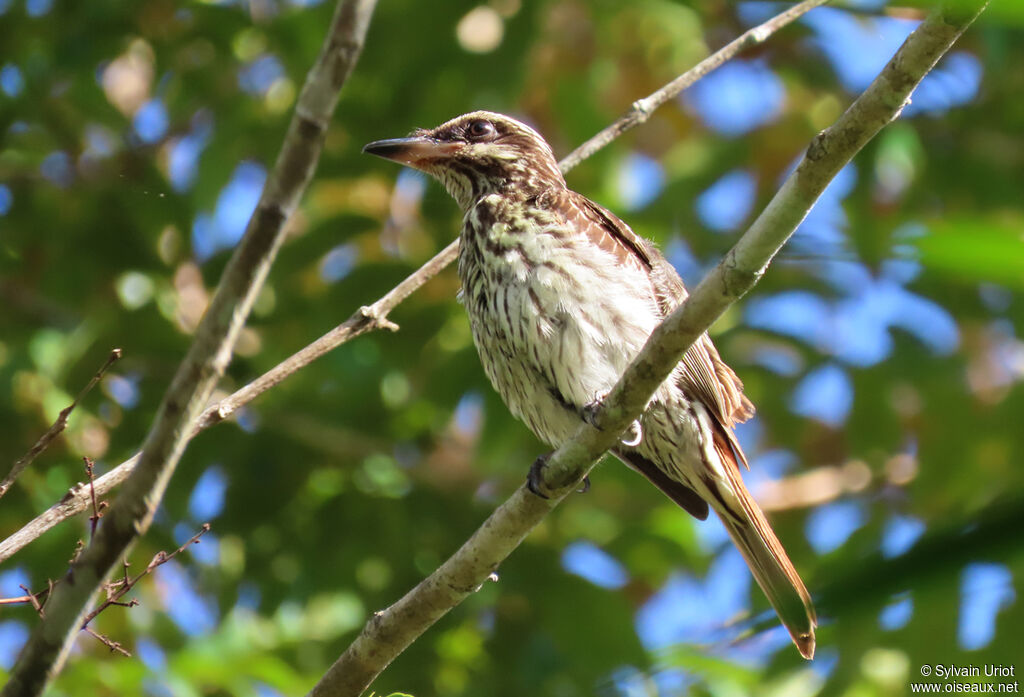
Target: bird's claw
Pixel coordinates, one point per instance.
(584, 485)
(633, 435)
(535, 478)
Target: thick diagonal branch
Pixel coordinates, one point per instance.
(204, 364)
(389, 632)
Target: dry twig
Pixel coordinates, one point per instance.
(118, 589)
(115, 591)
(97, 508)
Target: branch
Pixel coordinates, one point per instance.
(190, 390)
(74, 502)
(29, 597)
(642, 109)
(115, 591)
(55, 430)
(114, 646)
(372, 317)
(120, 588)
(390, 631)
(97, 505)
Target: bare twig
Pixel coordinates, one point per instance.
(115, 590)
(820, 485)
(97, 508)
(375, 316)
(365, 319)
(643, 108)
(32, 598)
(114, 646)
(21, 599)
(390, 631)
(119, 588)
(58, 426)
(913, 13)
(132, 512)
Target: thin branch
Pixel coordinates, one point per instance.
(132, 512)
(390, 631)
(642, 109)
(79, 546)
(119, 588)
(115, 591)
(114, 646)
(33, 598)
(375, 316)
(58, 426)
(915, 14)
(365, 319)
(97, 508)
(29, 597)
(820, 485)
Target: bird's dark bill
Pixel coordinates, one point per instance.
(410, 151)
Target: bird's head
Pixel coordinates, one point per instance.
(477, 154)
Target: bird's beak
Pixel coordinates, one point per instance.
(415, 151)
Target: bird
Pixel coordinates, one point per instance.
(561, 296)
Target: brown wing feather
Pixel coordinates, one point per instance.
(613, 235)
(705, 375)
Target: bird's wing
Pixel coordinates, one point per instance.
(608, 232)
(704, 374)
(720, 404)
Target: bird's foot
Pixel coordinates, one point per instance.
(535, 478)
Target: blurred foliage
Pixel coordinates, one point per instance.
(886, 364)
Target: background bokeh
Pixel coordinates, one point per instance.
(883, 347)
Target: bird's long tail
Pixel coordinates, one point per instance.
(776, 576)
(721, 486)
(772, 569)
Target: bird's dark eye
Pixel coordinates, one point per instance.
(481, 130)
